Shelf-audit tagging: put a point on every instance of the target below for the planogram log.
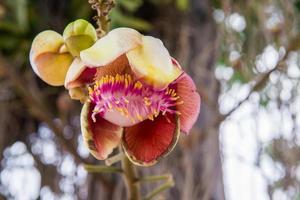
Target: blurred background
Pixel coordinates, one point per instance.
(244, 58)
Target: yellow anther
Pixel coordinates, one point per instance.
(139, 117)
(97, 83)
(128, 77)
(147, 101)
(178, 113)
(126, 100)
(138, 85)
(179, 102)
(90, 90)
(126, 112)
(156, 113)
(151, 117)
(175, 98)
(111, 79)
(132, 119)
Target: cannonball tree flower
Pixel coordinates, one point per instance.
(138, 96)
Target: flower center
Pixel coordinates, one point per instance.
(125, 102)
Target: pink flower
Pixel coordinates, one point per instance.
(138, 96)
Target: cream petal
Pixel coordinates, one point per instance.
(74, 71)
(111, 46)
(152, 62)
(46, 58)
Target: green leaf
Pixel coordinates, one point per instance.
(9, 27)
(8, 42)
(120, 19)
(297, 5)
(130, 5)
(20, 14)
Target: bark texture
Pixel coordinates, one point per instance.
(192, 37)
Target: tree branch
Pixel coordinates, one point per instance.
(36, 107)
(102, 19)
(260, 83)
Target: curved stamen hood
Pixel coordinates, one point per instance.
(125, 102)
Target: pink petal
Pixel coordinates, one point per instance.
(148, 141)
(101, 137)
(190, 108)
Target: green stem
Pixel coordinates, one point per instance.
(155, 178)
(102, 169)
(168, 184)
(114, 159)
(131, 179)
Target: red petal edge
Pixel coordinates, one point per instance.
(147, 142)
(101, 137)
(86, 77)
(190, 108)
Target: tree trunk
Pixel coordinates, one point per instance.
(192, 38)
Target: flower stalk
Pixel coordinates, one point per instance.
(102, 169)
(102, 7)
(155, 178)
(114, 159)
(130, 178)
(168, 184)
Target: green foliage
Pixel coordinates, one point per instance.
(18, 17)
(130, 5)
(123, 15)
(264, 101)
(182, 5)
(297, 5)
(238, 77)
(120, 19)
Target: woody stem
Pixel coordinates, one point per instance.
(130, 178)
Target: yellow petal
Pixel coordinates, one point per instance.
(79, 35)
(53, 67)
(111, 46)
(47, 61)
(152, 62)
